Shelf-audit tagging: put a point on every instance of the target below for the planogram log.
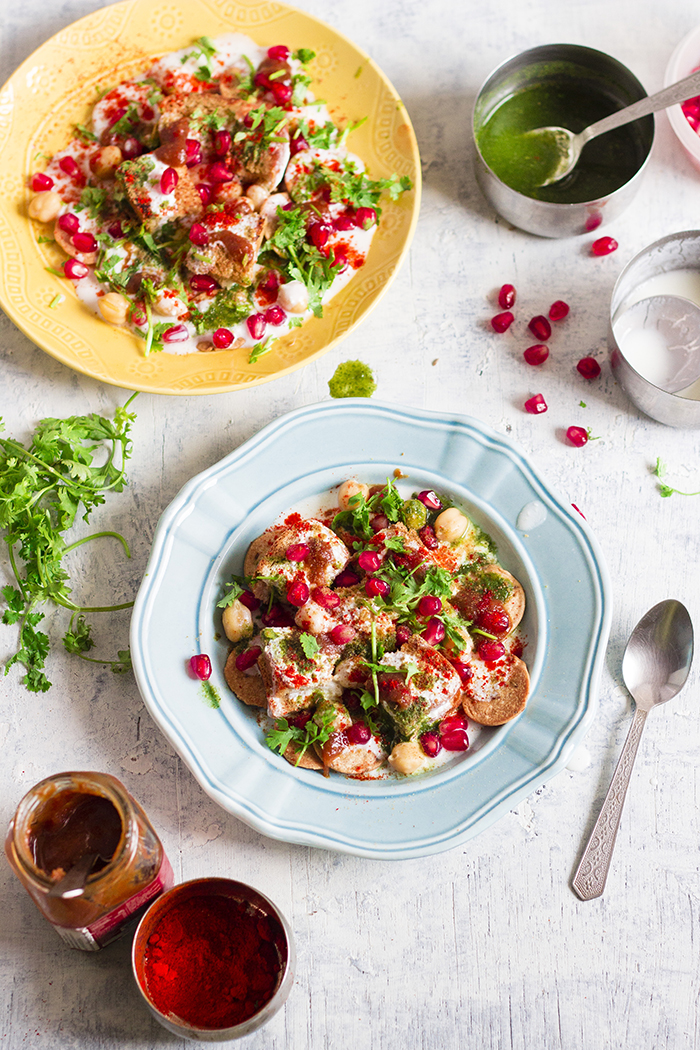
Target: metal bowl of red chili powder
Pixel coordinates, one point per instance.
(214, 959)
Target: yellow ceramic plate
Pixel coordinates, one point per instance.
(56, 88)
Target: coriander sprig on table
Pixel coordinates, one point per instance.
(42, 490)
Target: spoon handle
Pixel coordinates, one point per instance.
(684, 89)
(589, 880)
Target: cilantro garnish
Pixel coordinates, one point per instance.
(309, 645)
(304, 55)
(260, 349)
(665, 490)
(314, 732)
(94, 199)
(85, 133)
(204, 51)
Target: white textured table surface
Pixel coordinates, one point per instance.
(484, 945)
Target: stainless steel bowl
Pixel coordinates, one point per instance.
(677, 251)
(557, 62)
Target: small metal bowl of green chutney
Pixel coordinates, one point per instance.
(568, 86)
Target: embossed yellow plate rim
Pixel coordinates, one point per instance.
(55, 88)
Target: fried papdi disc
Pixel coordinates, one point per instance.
(248, 687)
(507, 688)
(309, 760)
(515, 603)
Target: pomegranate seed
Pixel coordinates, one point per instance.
(202, 282)
(403, 633)
(358, 733)
(222, 338)
(344, 223)
(204, 192)
(41, 182)
(342, 634)
(319, 232)
(502, 322)
(84, 242)
(434, 632)
(69, 166)
(588, 367)
(452, 722)
(455, 740)
(365, 218)
(75, 270)
(168, 180)
(376, 587)
(506, 297)
(536, 404)
(115, 230)
(346, 578)
(298, 593)
(218, 172)
(325, 597)
(256, 325)
(248, 658)
(281, 92)
(491, 652)
(540, 328)
(131, 148)
(298, 552)
(297, 143)
(604, 245)
(200, 666)
(369, 561)
(464, 671)
(340, 260)
(275, 315)
(558, 310)
(579, 511)
(428, 537)
(271, 281)
(69, 223)
(222, 143)
(430, 742)
(430, 499)
(577, 436)
(139, 317)
(198, 235)
(262, 80)
(379, 522)
(429, 605)
(300, 719)
(494, 620)
(276, 616)
(193, 154)
(278, 53)
(248, 599)
(537, 354)
(177, 334)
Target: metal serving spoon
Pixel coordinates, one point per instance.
(568, 146)
(655, 667)
(73, 882)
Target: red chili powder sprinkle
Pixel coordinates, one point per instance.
(213, 961)
(293, 520)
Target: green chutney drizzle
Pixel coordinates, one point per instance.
(522, 162)
(211, 695)
(352, 379)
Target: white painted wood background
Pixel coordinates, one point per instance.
(484, 946)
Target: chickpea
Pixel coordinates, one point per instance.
(45, 206)
(257, 195)
(407, 757)
(293, 297)
(349, 489)
(451, 526)
(113, 307)
(237, 621)
(268, 210)
(106, 161)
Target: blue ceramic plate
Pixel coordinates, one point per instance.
(202, 538)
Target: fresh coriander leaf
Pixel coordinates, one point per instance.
(304, 55)
(85, 133)
(260, 349)
(234, 592)
(309, 645)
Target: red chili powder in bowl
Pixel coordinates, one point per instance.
(213, 961)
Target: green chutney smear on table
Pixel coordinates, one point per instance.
(522, 162)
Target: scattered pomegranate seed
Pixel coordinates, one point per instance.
(256, 325)
(222, 338)
(204, 192)
(222, 143)
(276, 616)
(358, 733)
(131, 148)
(298, 552)
(248, 599)
(41, 182)
(455, 740)
(271, 281)
(325, 597)
(343, 634)
(340, 260)
(297, 143)
(246, 659)
(375, 587)
(281, 92)
(75, 270)
(200, 666)
(69, 166)
(577, 436)
(502, 322)
(494, 620)
(506, 297)
(429, 605)
(69, 223)
(300, 719)
(403, 633)
(537, 354)
(451, 722)
(491, 652)
(379, 522)
(344, 223)
(588, 367)
(84, 242)
(169, 180)
(579, 511)
(434, 632)
(198, 235)
(115, 230)
(428, 537)
(536, 404)
(319, 232)
(346, 578)
(430, 499)
(430, 742)
(540, 327)
(177, 334)
(298, 593)
(558, 310)
(202, 282)
(278, 53)
(365, 218)
(464, 671)
(193, 152)
(218, 172)
(369, 561)
(275, 316)
(604, 246)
